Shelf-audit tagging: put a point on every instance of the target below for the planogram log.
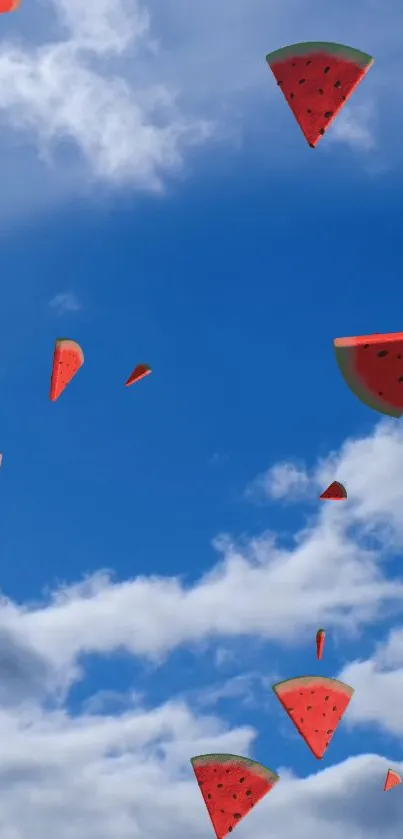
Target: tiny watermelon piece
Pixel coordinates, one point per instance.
(139, 372)
(316, 705)
(231, 785)
(372, 366)
(320, 642)
(316, 79)
(335, 492)
(393, 779)
(67, 360)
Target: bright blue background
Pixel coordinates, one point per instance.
(232, 289)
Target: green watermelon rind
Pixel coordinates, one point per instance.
(307, 48)
(344, 360)
(68, 344)
(252, 766)
(290, 685)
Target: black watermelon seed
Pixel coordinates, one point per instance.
(321, 91)
(308, 110)
(326, 70)
(301, 719)
(326, 698)
(382, 353)
(366, 346)
(308, 707)
(229, 829)
(237, 815)
(219, 786)
(308, 62)
(209, 795)
(241, 780)
(380, 393)
(292, 95)
(322, 131)
(398, 356)
(302, 81)
(328, 114)
(279, 83)
(294, 64)
(201, 783)
(222, 811)
(248, 792)
(344, 98)
(337, 84)
(334, 708)
(329, 731)
(234, 795)
(400, 379)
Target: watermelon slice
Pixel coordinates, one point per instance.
(316, 705)
(335, 492)
(231, 785)
(393, 779)
(138, 373)
(67, 360)
(320, 642)
(9, 5)
(372, 366)
(317, 78)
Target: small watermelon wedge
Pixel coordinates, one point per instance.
(67, 360)
(316, 705)
(372, 367)
(139, 372)
(316, 79)
(231, 785)
(393, 779)
(335, 492)
(320, 642)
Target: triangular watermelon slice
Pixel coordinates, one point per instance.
(316, 79)
(231, 785)
(67, 360)
(372, 366)
(393, 779)
(139, 372)
(316, 705)
(335, 492)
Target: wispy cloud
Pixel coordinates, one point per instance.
(65, 302)
(283, 480)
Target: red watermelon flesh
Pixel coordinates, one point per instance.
(320, 642)
(372, 366)
(393, 779)
(139, 372)
(316, 79)
(231, 785)
(335, 492)
(316, 705)
(67, 360)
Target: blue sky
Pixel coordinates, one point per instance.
(165, 555)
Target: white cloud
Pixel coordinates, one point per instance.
(117, 92)
(93, 777)
(258, 588)
(65, 302)
(283, 480)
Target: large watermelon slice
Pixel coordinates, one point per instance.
(372, 366)
(67, 360)
(317, 78)
(393, 779)
(334, 492)
(231, 785)
(316, 705)
(9, 5)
